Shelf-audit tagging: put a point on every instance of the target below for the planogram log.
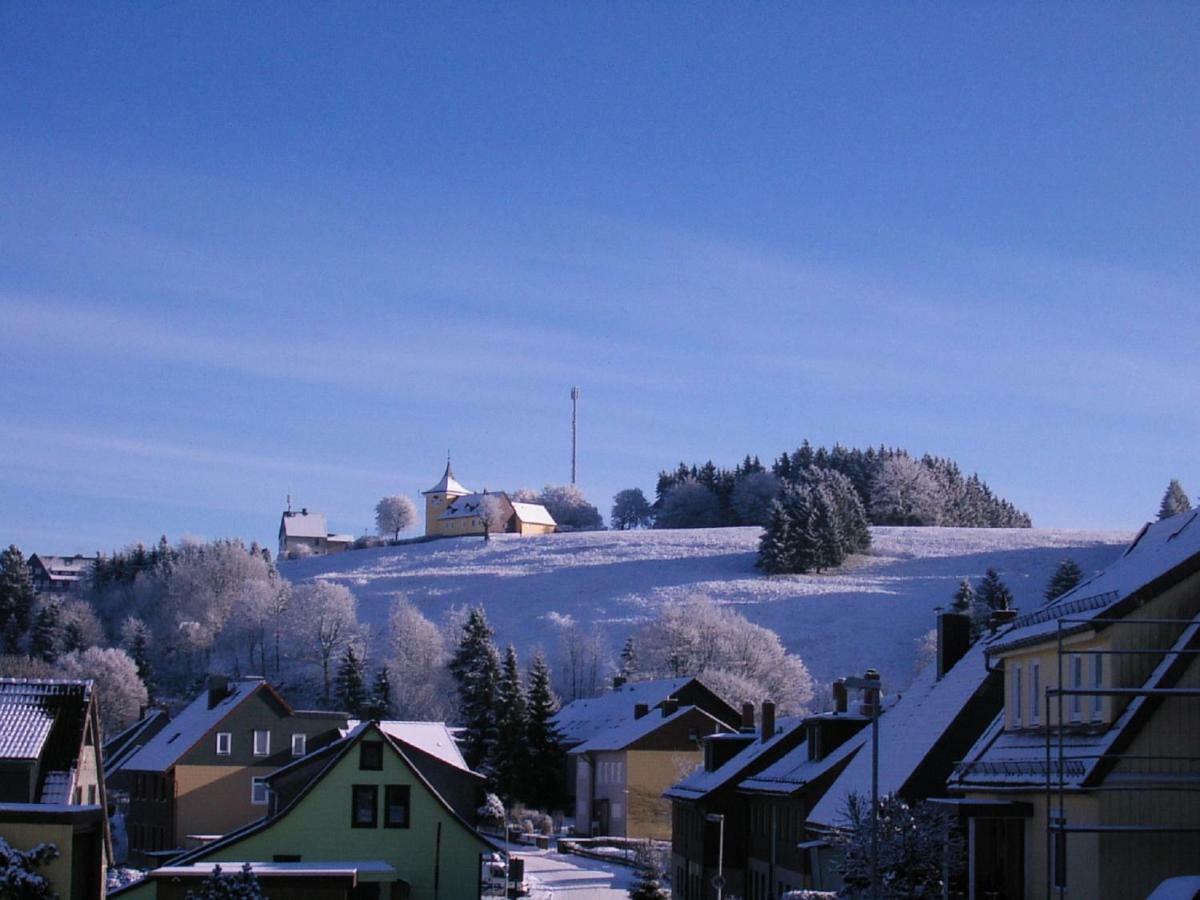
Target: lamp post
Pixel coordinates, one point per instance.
(871, 683)
(719, 881)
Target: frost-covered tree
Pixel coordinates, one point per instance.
(627, 662)
(19, 875)
(350, 688)
(16, 598)
(421, 684)
(649, 883)
(582, 661)
(917, 846)
(1174, 501)
(753, 495)
(969, 604)
(775, 543)
(630, 510)
(570, 508)
(905, 492)
(964, 597)
(394, 515)
(492, 812)
(135, 638)
(493, 515)
(122, 694)
(545, 758)
(511, 725)
(322, 620)
(1066, 576)
(242, 885)
(699, 637)
(689, 505)
(994, 593)
(476, 670)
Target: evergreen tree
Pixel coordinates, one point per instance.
(137, 645)
(993, 592)
(72, 637)
(649, 884)
(1066, 576)
(16, 598)
(511, 726)
(1174, 501)
(379, 705)
(546, 760)
(774, 546)
(628, 664)
(476, 670)
(828, 550)
(350, 685)
(802, 537)
(46, 635)
(964, 597)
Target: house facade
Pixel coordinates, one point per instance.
(1085, 784)
(203, 774)
(305, 533)
(54, 575)
(52, 788)
(354, 819)
(452, 510)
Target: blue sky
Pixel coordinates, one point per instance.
(253, 250)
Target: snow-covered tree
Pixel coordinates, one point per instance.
(135, 638)
(689, 505)
(775, 543)
(379, 700)
(493, 515)
(964, 597)
(1174, 501)
(917, 845)
(570, 508)
(649, 883)
(627, 663)
(220, 885)
(630, 510)
(1066, 576)
(753, 496)
(905, 492)
(476, 670)
(45, 637)
(322, 620)
(511, 725)
(994, 593)
(19, 876)
(545, 758)
(492, 812)
(350, 688)
(421, 684)
(122, 694)
(394, 515)
(16, 598)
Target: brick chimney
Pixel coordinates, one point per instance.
(218, 689)
(768, 719)
(953, 640)
(840, 698)
(640, 709)
(870, 696)
(748, 717)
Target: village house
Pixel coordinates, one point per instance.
(52, 788)
(1085, 784)
(356, 819)
(202, 774)
(53, 575)
(712, 791)
(452, 510)
(305, 533)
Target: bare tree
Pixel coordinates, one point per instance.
(323, 621)
(394, 515)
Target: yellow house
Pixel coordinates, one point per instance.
(1086, 784)
(452, 510)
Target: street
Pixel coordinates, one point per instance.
(553, 876)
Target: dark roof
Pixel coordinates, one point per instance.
(40, 717)
(754, 757)
(120, 747)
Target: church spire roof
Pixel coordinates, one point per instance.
(449, 484)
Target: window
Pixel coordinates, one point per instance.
(299, 744)
(1016, 694)
(1034, 692)
(262, 743)
(1098, 684)
(395, 806)
(370, 756)
(224, 743)
(1076, 684)
(364, 798)
(258, 791)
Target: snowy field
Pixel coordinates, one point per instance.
(869, 613)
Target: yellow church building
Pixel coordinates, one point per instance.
(452, 510)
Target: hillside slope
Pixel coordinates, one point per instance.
(869, 613)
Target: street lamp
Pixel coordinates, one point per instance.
(871, 683)
(719, 881)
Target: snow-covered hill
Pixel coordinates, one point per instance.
(869, 613)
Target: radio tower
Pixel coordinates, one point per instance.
(574, 432)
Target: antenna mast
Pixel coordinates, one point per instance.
(574, 431)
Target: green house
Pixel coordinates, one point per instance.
(357, 819)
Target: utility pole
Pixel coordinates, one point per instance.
(574, 429)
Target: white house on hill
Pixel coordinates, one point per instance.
(305, 532)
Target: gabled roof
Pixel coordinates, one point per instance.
(434, 738)
(794, 770)
(581, 719)
(124, 744)
(908, 732)
(757, 754)
(533, 514)
(304, 524)
(629, 732)
(1163, 551)
(64, 568)
(448, 484)
(182, 733)
(468, 505)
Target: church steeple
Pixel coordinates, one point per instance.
(438, 497)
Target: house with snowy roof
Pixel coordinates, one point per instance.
(58, 574)
(52, 788)
(202, 774)
(712, 790)
(357, 818)
(1085, 784)
(452, 510)
(305, 533)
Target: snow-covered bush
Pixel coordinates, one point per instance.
(492, 811)
(19, 878)
(650, 883)
(221, 886)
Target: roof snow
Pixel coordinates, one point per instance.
(622, 735)
(30, 707)
(448, 484)
(468, 505)
(304, 524)
(533, 514)
(583, 719)
(433, 738)
(702, 781)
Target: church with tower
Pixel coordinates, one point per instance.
(452, 510)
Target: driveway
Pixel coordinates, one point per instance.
(555, 876)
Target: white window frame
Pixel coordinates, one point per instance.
(257, 782)
(1035, 709)
(224, 738)
(1076, 684)
(1016, 692)
(266, 750)
(1098, 684)
(299, 744)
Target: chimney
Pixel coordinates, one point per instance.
(870, 696)
(840, 699)
(640, 709)
(618, 682)
(953, 640)
(670, 706)
(304, 510)
(218, 689)
(1000, 617)
(748, 717)
(768, 719)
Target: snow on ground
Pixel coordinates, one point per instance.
(555, 876)
(870, 613)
